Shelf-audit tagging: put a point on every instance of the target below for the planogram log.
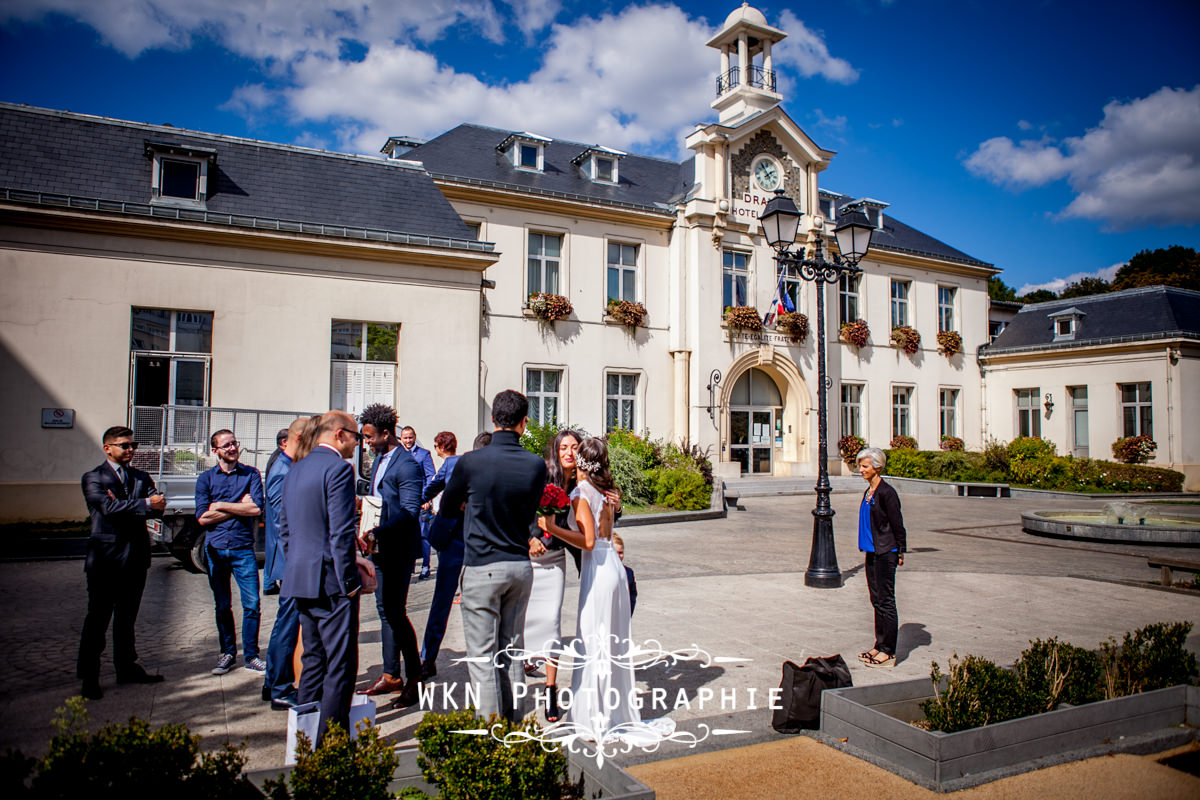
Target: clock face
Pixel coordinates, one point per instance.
(767, 175)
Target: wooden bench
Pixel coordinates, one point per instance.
(983, 490)
(1168, 564)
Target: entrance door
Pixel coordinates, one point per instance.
(750, 436)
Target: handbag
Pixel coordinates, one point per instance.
(442, 532)
(366, 573)
(800, 695)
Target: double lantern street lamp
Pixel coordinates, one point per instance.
(780, 220)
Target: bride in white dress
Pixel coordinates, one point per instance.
(603, 689)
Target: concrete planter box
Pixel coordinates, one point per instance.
(608, 782)
(875, 722)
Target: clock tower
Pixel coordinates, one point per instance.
(746, 83)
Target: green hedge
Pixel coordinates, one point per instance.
(1032, 462)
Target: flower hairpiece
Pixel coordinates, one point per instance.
(587, 466)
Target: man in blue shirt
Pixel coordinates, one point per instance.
(228, 499)
(408, 438)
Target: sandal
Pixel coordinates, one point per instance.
(887, 663)
(868, 655)
(552, 713)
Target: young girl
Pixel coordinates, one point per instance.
(602, 681)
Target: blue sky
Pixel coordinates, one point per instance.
(1053, 139)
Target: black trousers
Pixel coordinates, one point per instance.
(329, 628)
(113, 594)
(394, 575)
(881, 582)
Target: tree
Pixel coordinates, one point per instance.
(999, 290)
(1085, 286)
(1038, 296)
(1167, 266)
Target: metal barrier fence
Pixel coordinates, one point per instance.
(174, 440)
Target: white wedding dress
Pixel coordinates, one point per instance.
(603, 686)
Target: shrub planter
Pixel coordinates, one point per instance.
(875, 722)
(608, 781)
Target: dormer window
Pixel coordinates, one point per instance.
(1066, 324)
(525, 151)
(599, 163)
(179, 174)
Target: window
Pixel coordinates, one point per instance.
(545, 255)
(179, 174)
(995, 328)
(606, 169)
(476, 229)
(543, 387)
(902, 410)
(1029, 420)
(848, 299)
(1137, 415)
(900, 302)
(735, 273)
(620, 399)
(852, 412)
(529, 156)
(363, 368)
(946, 307)
(1066, 324)
(789, 286)
(948, 411)
(170, 357)
(622, 271)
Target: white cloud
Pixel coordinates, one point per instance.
(1140, 165)
(588, 88)
(532, 16)
(262, 29)
(837, 123)
(806, 49)
(1025, 125)
(1058, 284)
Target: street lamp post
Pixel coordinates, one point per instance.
(780, 220)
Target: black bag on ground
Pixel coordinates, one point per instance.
(800, 699)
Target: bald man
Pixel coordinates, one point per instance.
(317, 528)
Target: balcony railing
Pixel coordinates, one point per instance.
(759, 78)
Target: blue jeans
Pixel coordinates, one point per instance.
(243, 566)
(449, 565)
(281, 650)
(426, 521)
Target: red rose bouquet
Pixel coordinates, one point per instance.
(554, 501)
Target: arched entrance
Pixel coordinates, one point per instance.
(755, 422)
(764, 422)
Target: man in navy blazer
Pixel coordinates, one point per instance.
(408, 438)
(120, 498)
(316, 525)
(396, 479)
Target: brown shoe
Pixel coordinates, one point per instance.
(408, 697)
(385, 685)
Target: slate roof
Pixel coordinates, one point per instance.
(469, 152)
(1153, 312)
(65, 154)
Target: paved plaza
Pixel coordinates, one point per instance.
(972, 583)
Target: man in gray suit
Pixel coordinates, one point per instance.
(498, 489)
(316, 526)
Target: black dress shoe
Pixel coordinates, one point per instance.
(136, 674)
(266, 694)
(271, 588)
(428, 669)
(283, 703)
(91, 690)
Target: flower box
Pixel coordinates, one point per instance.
(744, 318)
(949, 343)
(906, 338)
(855, 333)
(625, 312)
(548, 307)
(793, 324)
(875, 722)
(607, 781)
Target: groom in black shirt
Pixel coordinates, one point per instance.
(498, 489)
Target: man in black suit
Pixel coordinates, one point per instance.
(316, 526)
(501, 486)
(120, 498)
